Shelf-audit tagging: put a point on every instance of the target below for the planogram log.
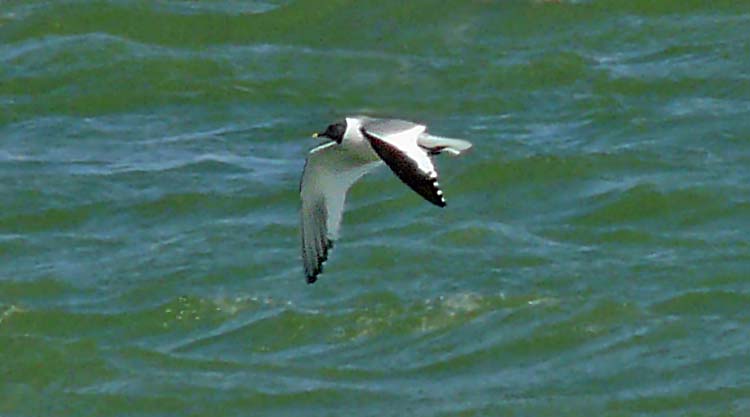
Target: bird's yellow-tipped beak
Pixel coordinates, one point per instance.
(315, 135)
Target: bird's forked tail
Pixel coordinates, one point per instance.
(437, 144)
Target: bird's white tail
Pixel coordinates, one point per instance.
(437, 144)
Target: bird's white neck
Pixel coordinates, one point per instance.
(352, 129)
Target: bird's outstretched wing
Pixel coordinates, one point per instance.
(395, 141)
(327, 176)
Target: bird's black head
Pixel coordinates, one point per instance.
(334, 132)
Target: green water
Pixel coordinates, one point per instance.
(593, 259)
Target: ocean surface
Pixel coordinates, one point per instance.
(593, 260)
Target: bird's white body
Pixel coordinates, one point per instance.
(358, 147)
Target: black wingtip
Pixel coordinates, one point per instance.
(313, 276)
(436, 197)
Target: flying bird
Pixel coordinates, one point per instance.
(355, 146)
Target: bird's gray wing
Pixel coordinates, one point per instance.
(410, 162)
(328, 174)
(388, 127)
(434, 144)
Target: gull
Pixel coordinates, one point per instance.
(355, 146)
